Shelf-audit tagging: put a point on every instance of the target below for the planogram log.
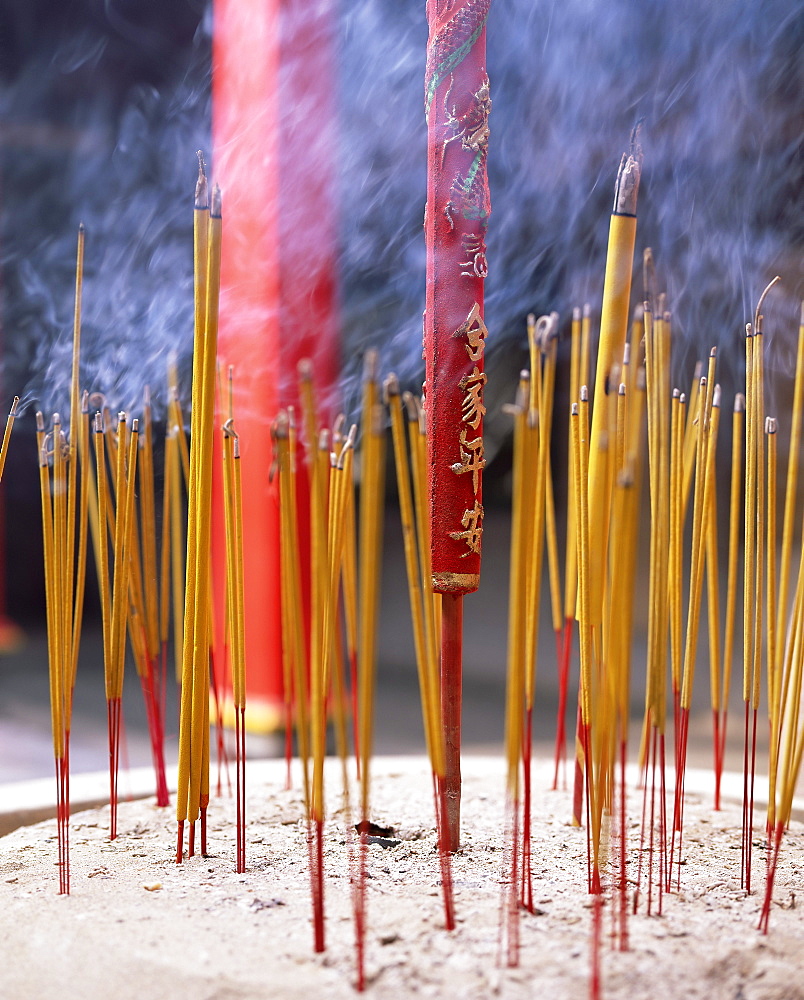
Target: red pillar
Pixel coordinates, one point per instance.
(274, 161)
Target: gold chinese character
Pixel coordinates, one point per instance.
(477, 265)
(472, 406)
(473, 533)
(471, 458)
(474, 329)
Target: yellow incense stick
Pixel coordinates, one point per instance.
(290, 558)
(738, 420)
(12, 415)
(790, 494)
(759, 536)
(103, 556)
(62, 618)
(431, 709)
(613, 327)
(750, 513)
(705, 448)
(192, 601)
(83, 526)
(570, 556)
(371, 511)
(517, 596)
(774, 681)
(71, 484)
(148, 528)
(55, 676)
(551, 350)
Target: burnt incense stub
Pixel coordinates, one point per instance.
(457, 105)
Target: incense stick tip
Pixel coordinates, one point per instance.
(716, 396)
(576, 313)
(574, 409)
(56, 418)
(15, 403)
(370, 365)
(713, 353)
(621, 390)
(98, 422)
(215, 204)
(626, 189)
(281, 425)
(676, 393)
(135, 425)
(587, 310)
(770, 425)
(201, 198)
(520, 404)
(390, 386)
(739, 403)
(40, 420)
(305, 369)
(412, 405)
(683, 399)
(584, 394)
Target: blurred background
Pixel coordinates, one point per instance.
(102, 107)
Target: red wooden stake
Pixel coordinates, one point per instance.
(457, 106)
(451, 671)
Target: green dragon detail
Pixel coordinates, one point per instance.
(451, 45)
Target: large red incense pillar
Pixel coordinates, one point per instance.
(457, 105)
(272, 87)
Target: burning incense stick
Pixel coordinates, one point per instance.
(12, 415)
(294, 638)
(613, 326)
(372, 439)
(233, 515)
(193, 788)
(570, 560)
(516, 670)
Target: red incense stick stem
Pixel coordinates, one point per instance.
(451, 670)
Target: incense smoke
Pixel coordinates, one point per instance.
(716, 83)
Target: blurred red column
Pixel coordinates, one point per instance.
(274, 135)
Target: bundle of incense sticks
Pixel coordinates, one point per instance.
(634, 377)
(115, 502)
(330, 652)
(193, 783)
(64, 517)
